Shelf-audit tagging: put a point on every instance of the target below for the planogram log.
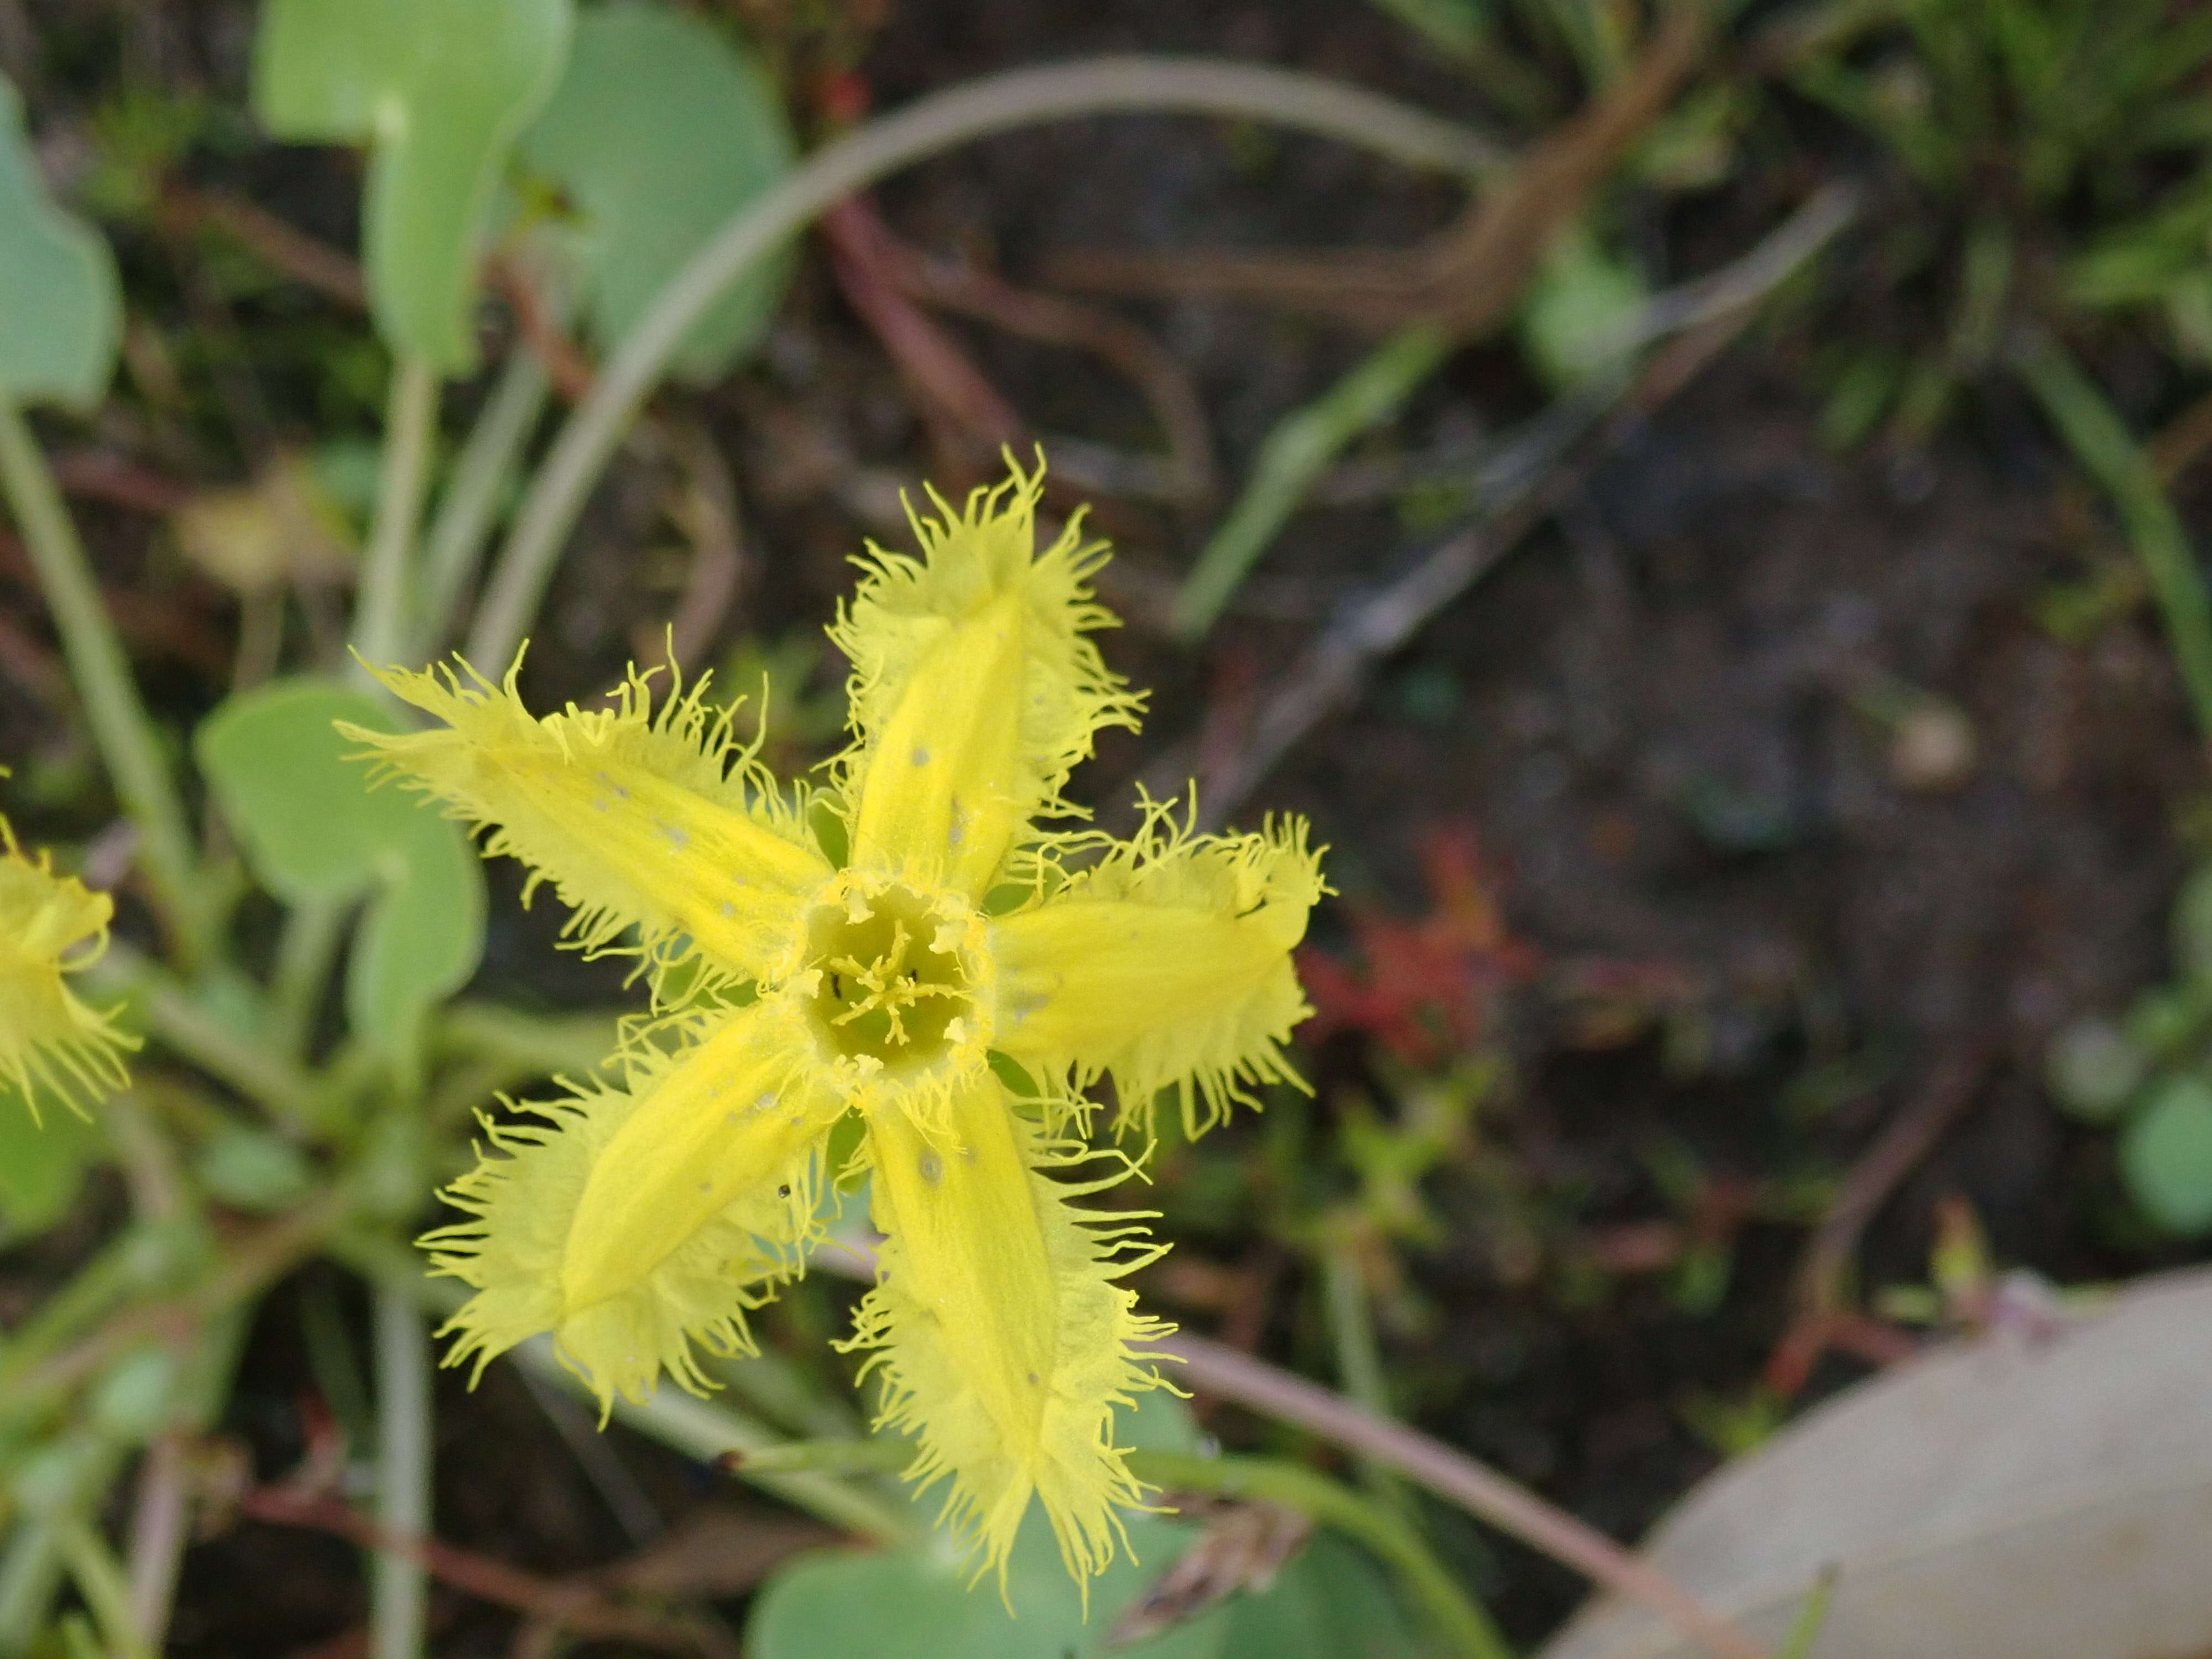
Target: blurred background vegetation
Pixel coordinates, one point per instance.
(1695, 502)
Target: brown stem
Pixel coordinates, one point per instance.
(1506, 1504)
(580, 1609)
(1147, 364)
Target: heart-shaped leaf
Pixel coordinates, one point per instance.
(441, 89)
(662, 127)
(314, 832)
(63, 315)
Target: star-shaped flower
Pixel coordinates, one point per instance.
(906, 944)
(50, 926)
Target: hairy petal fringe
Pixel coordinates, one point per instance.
(667, 822)
(52, 925)
(1002, 1337)
(975, 688)
(1167, 964)
(707, 1184)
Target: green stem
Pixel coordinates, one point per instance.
(2101, 443)
(832, 1457)
(382, 624)
(1358, 1360)
(305, 951)
(1302, 444)
(30, 1573)
(1459, 1618)
(454, 543)
(184, 1027)
(1018, 98)
(398, 1586)
(104, 1585)
(120, 725)
(702, 1429)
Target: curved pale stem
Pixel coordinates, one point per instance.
(381, 623)
(1019, 98)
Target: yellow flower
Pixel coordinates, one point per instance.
(52, 926)
(898, 943)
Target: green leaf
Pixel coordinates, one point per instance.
(2166, 1156)
(251, 1169)
(2093, 1069)
(311, 828)
(920, 1602)
(420, 939)
(1574, 322)
(1330, 1602)
(663, 127)
(314, 832)
(441, 89)
(64, 315)
(42, 1165)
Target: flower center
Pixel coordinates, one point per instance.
(897, 973)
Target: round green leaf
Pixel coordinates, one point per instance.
(441, 89)
(2093, 1070)
(64, 315)
(1571, 324)
(315, 831)
(662, 127)
(2166, 1156)
(311, 828)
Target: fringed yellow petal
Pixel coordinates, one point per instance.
(633, 1222)
(1003, 1339)
(975, 689)
(52, 926)
(1168, 964)
(665, 823)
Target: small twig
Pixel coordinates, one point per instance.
(158, 1524)
(933, 124)
(1370, 627)
(580, 1609)
(250, 1265)
(1908, 1137)
(1148, 366)
(539, 324)
(969, 419)
(1451, 1474)
(708, 510)
(1465, 279)
(280, 244)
